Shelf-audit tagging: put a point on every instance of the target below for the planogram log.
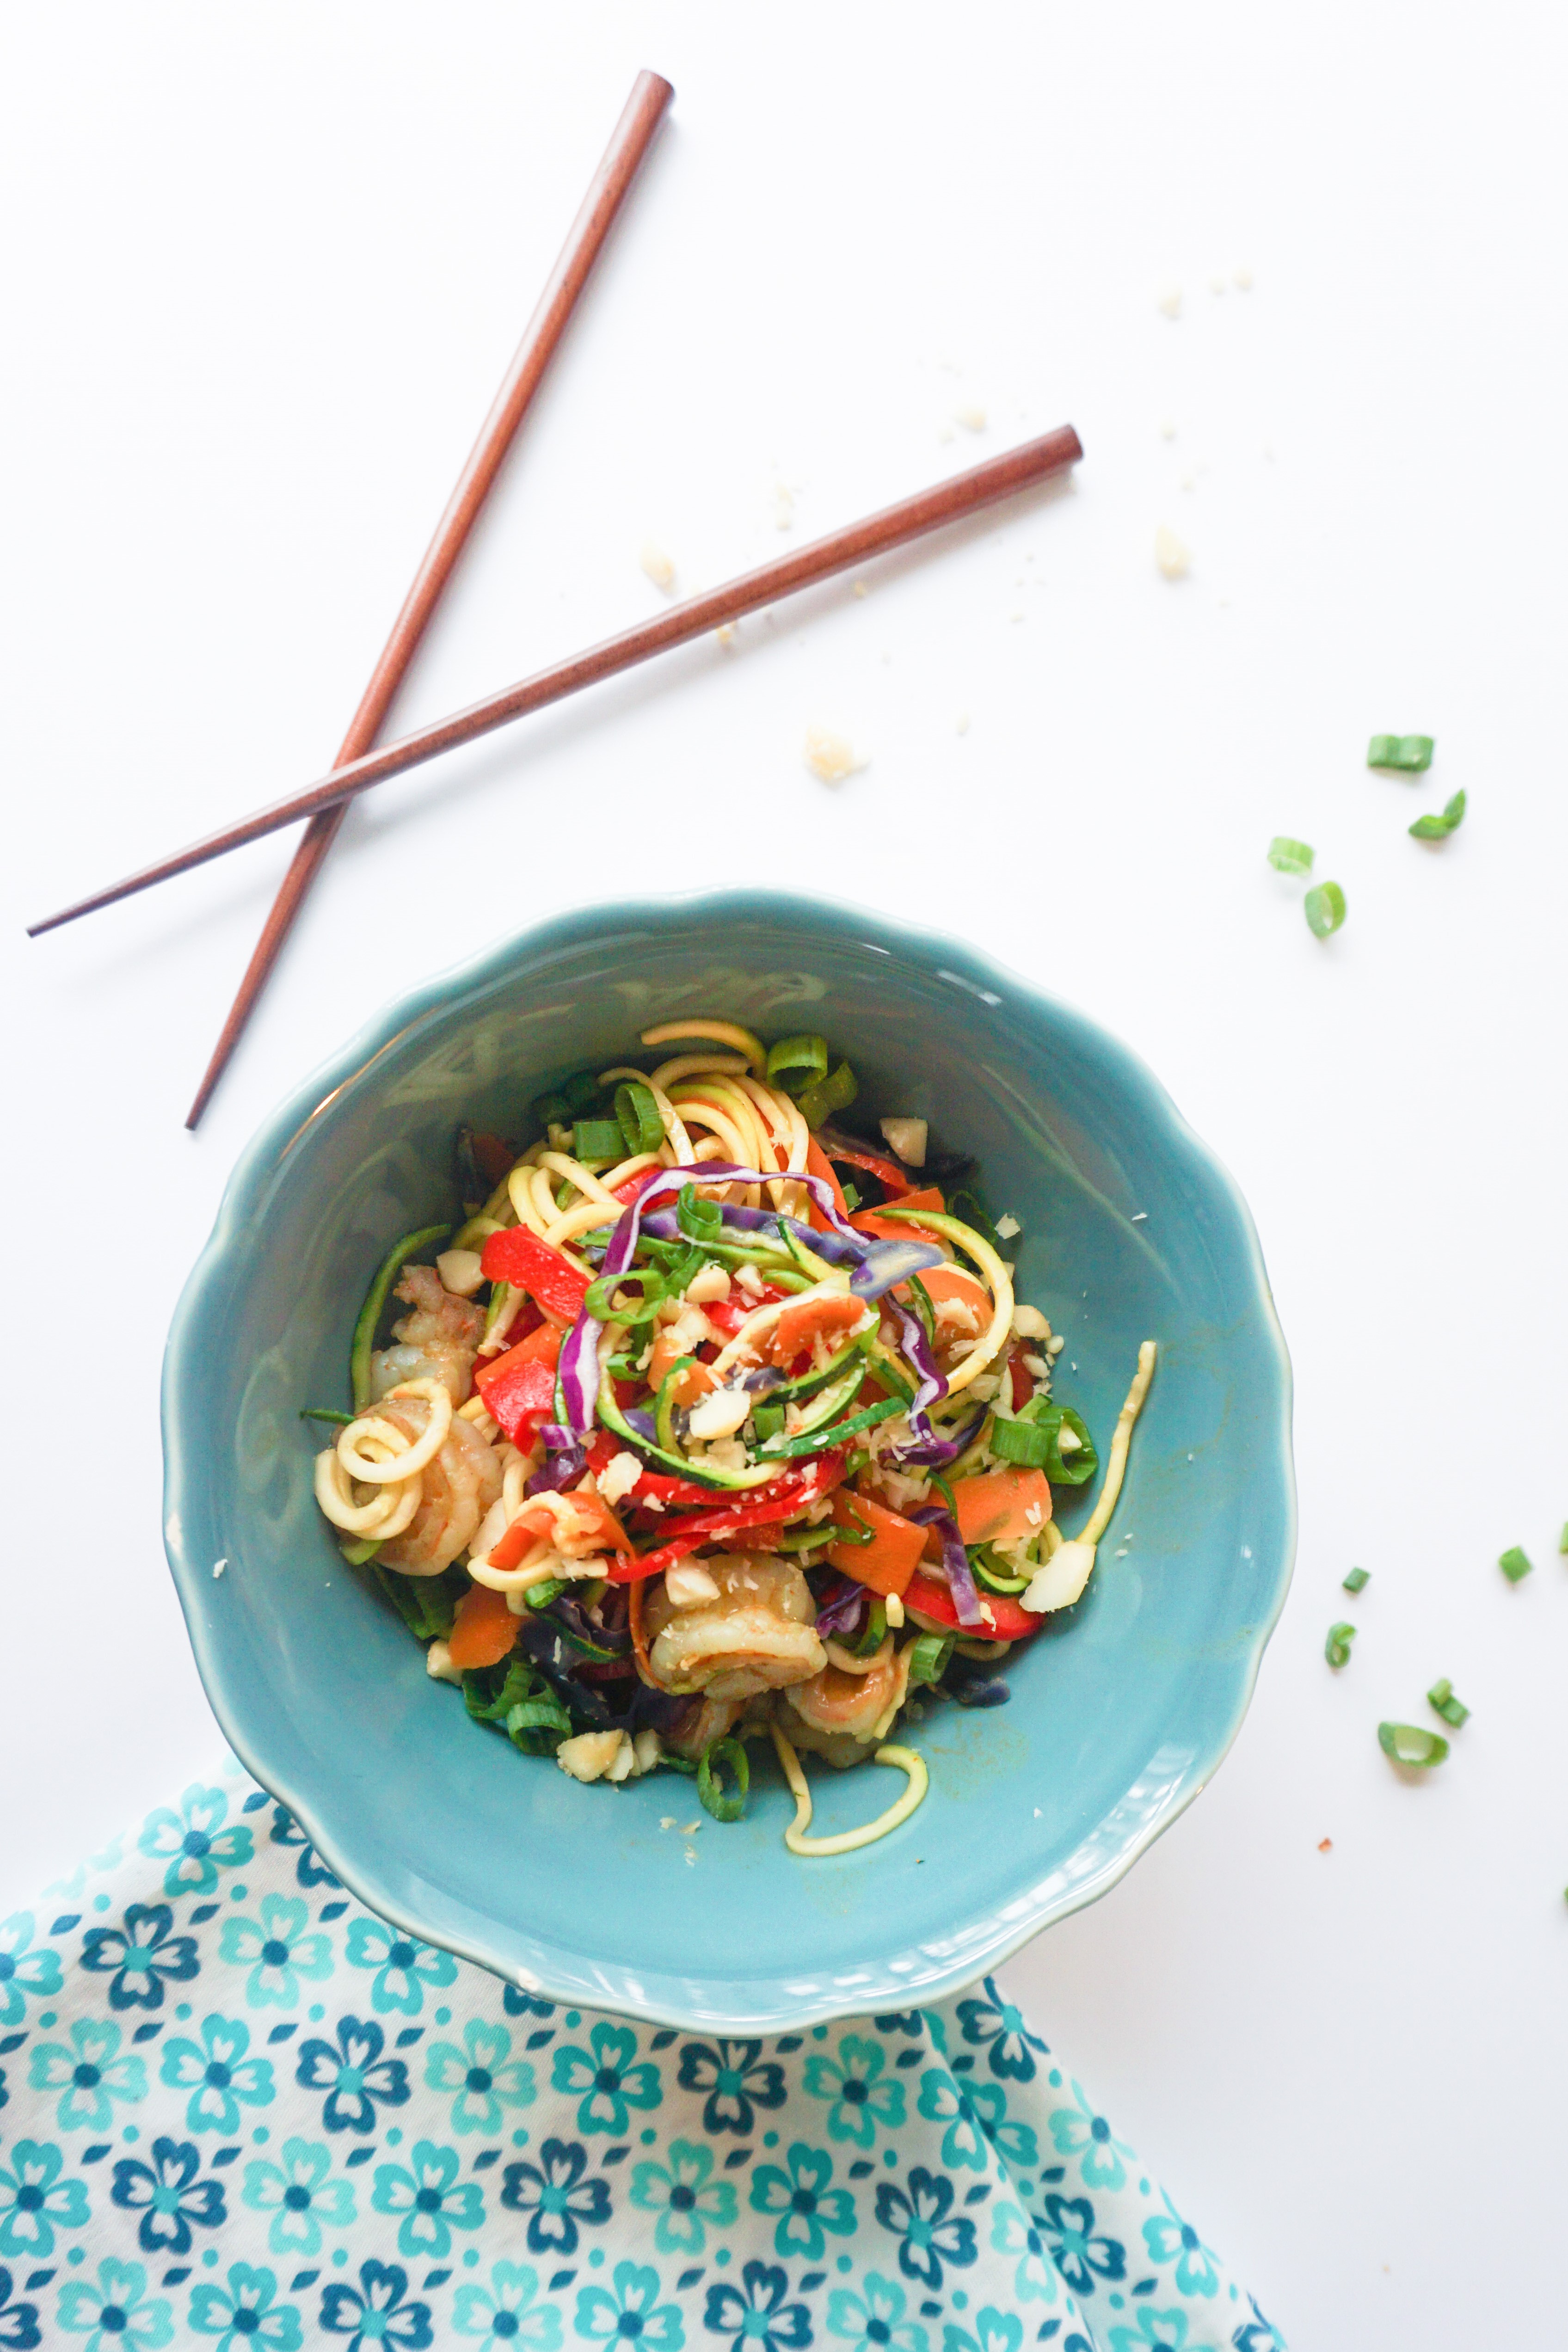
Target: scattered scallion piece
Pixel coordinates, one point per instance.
(637, 1116)
(1287, 856)
(699, 1220)
(1336, 1648)
(1324, 908)
(1410, 754)
(1563, 1539)
(1452, 1710)
(598, 1139)
(798, 1061)
(928, 1656)
(724, 1804)
(1438, 828)
(582, 1091)
(1358, 1579)
(826, 1095)
(1515, 1564)
(325, 1413)
(1407, 1743)
(551, 1110)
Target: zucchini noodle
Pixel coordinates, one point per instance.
(724, 1033)
(998, 1281)
(847, 1840)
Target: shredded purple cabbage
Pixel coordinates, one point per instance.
(564, 1460)
(886, 1263)
(955, 1559)
(938, 1453)
(844, 1610)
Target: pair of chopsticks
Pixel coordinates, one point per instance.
(358, 767)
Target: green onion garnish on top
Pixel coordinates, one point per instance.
(598, 1139)
(1563, 1539)
(1410, 754)
(1324, 908)
(721, 1803)
(1287, 856)
(798, 1061)
(1358, 1579)
(1515, 1564)
(1438, 828)
(1407, 1743)
(827, 1095)
(1336, 1648)
(1452, 1710)
(638, 1115)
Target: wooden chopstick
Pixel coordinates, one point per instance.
(963, 494)
(629, 142)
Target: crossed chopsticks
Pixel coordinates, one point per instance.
(358, 767)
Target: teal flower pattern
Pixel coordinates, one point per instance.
(975, 2115)
(629, 2310)
(873, 2320)
(508, 2313)
(1159, 2331)
(404, 1967)
(806, 2207)
(23, 1970)
(995, 2331)
(299, 2196)
(193, 1842)
(1078, 2131)
(861, 2094)
(218, 2076)
(684, 2196)
(486, 2079)
(278, 1951)
(1171, 2240)
(90, 2074)
(35, 2201)
(607, 2079)
(430, 2198)
(998, 2028)
(117, 2314)
(140, 1955)
(1036, 2278)
(245, 2312)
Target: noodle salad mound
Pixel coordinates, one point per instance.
(714, 1422)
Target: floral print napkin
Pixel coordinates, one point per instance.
(238, 2111)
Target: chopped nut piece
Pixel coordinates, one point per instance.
(1169, 301)
(1173, 557)
(830, 757)
(657, 566)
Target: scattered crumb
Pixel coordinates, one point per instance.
(830, 757)
(1167, 429)
(218, 1566)
(971, 416)
(783, 508)
(1139, 1217)
(692, 1829)
(1325, 1845)
(1006, 1227)
(1241, 278)
(690, 1853)
(961, 724)
(1174, 559)
(1189, 480)
(1054, 1346)
(666, 1822)
(860, 588)
(725, 633)
(657, 566)
(1169, 301)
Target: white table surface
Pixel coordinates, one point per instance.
(263, 270)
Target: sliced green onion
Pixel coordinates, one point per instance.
(818, 1441)
(1018, 1439)
(597, 1138)
(325, 1413)
(730, 1755)
(423, 1602)
(1336, 1648)
(699, 1220)
(1452, 1710)
(358, 1552)
(768, 1420)
(929, 1657)
(677, 1763)
(1357, 1581)
(992, 1577)
(539, 1596)
(641, 1122)
(798, 1061)
(851, 1196)
(380, 1291)
(551, 1110)
(1024, 1441)
(920, 1299)
(828, 1095)
(1409, 753)
(1325, 910)
(1407, 1743)
(637, 1294)
(1563, 1539)
(1287, 856)
(874, 1631)
(967, 1205)
(581, 1092)
(1515, 1564)
(1438, 828)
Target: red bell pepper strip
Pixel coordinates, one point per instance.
(727, 1315)
(520, 1257)
(519, 1388)
(1009, 1620)
(817, 1164)
(595, 1523)
(632, 1189)
(669, 1491)
(857, 1156)
(493, 1155)
(1022, 1381)
(791, 1493)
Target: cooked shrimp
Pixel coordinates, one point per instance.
(438, 1340)
(709, 1719)
(834, 1701)
(460, 1485)
(758, 1634)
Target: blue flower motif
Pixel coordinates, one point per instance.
(684, 2197)
(403, 1966)
(604, 2080)
(1078, 2131)
(218, 2076)
(89, 2075)
(995, 2331)
(976, 2116)
(22, 1970)
(901, 2020)
(1256, 2335)
(754, 2315)
(140, 1954)
(862, 2098)
(1081, 2257)
(738, 2080)
(1170, 2239)
(18, 2321)
(244, 2313)
(998, 2028)
(556, 2197)
(629, 2310)
(920, 2216)
(194, 1841)
(299, 2196)
(277, 1950)
(874, 2320)
(116, 2314)
(804, 2202)
(35, 2201)
(505, 2313)
(1035, 2279)
(484, 2074)
(286, 1830)
(518, 2003)
(425, 2193)
(1157, 2331)
(111, 1857)
(375, 2313)
(168, 2196)
(354, 2075)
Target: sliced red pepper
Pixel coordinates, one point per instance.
(1023, 1381)
(493, 1155)
(671, 1491)
(1009, 1620)
(520, 1257)
(635, 1187)
(519, 1388)
(768, 1507)
(856, 1155)
(596, 1522)
(817, 1164)
(884, 1223)
(727, 1315)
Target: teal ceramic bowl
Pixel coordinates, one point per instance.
(1120, 1711)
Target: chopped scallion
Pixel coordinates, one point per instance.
(724, 1805)
(1324, 908)
(1358, 1579)
(639, 1116)
(581, 1092)
(597, 1138)
(1287, 856)
(325, 1413)
(928, 1656)
(551, 1110)
(826, 1095)
(1410, 754)
(699, 1220)
(798, 1061)
(1336, 1648)
(1438, 828)
(1563, 1539)
(1407, 1743)
(1515, 1564)
(1452, 1710)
